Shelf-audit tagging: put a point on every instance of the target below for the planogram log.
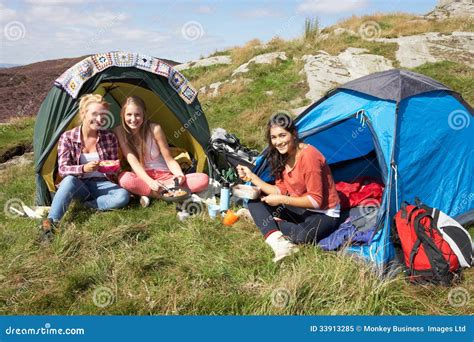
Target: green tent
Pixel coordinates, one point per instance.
(171, 101)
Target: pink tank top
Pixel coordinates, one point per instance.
(153, 157)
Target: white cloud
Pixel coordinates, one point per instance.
(106, 19)
(56, 2)
(330, 6)
(259, 13)
(204, 9)
(50, 15)
(138, 34)
(7, 14)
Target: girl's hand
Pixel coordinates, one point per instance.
(154, 185)
(181, 179)
(274, 200)
(244, 173)
(91, 166)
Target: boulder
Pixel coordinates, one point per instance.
(452, 8)
(324, 71)
(432, 47)
(204, 62)
(266, 58)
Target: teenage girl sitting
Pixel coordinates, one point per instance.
(79, 152)
(144, 145)
(303, 205)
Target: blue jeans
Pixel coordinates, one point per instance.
(94, 193)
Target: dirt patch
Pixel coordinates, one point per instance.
(17, 150)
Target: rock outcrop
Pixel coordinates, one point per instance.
(204, 62)
(324, 71)
(452, 8)
(433, 47)
(266, 58)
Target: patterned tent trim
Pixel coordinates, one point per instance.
(74, 78)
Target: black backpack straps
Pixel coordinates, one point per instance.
(403, 208)
(416, 211)
(418, 202)
(439, 265)
(413, 253)
(435, 217)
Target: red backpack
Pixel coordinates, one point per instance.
(427, 255)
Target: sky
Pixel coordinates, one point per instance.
(37, 30)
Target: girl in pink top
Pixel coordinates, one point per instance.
(144, 145)
(303, 205)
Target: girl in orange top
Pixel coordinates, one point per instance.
(303, 205)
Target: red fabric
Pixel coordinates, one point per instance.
(364, 190)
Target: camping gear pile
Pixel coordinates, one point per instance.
(226, 152)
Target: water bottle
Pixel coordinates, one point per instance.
(225, 197)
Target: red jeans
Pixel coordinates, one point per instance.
(196, 182)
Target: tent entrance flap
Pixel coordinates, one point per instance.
(349, 149)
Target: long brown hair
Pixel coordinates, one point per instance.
(278, 160)
(136, 142)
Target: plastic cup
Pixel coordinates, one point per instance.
(230, 218)
(213, 210)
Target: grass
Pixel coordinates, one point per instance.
(403, 24)
(249, 105)
(138, 261)
(311, 29)
(457, 76)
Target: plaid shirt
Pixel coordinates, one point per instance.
(70, 148)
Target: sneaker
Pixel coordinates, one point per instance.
(144, 201)
(48, 229)
(282, 247)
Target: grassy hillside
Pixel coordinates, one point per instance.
(145, 261)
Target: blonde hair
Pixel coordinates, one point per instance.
(87, 99)
(136, 142)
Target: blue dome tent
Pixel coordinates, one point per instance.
(410, 131)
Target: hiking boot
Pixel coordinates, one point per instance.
(282, 247)
(144, 201)
(48, 229)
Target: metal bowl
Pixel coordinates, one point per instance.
(246, 191)
(176, 198)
